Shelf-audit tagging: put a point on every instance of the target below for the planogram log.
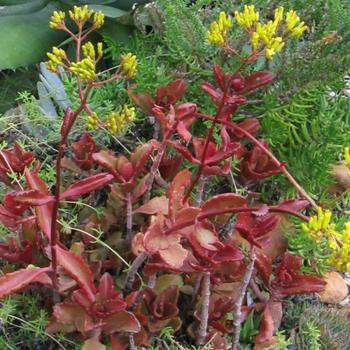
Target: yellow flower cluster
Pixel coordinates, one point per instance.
(92, 121)
(294, 25)
(248, 18)
(218, 30)
(340, 257)
(347, 156)
(99, 20)
(117, 121)
(84, 69)
(90, 52)
(320, 226)
(268, 37)
(56, 58)
(80, 14)
(57, 19)
(128, 64)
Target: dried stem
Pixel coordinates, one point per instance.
(196, 287)
(200, 190)
(130, 276)
(132, 342)
(152, 281)
(238, 303)
(202, 332)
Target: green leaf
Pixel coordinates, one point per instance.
(109, 11)
(19, 8)
(25, 39)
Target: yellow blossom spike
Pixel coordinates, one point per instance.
(279, 15)
(99, 50)
(248, 18)
(98, 21)
(254, 39)
(56, 58)
(80, 14)
(218, 32)
(294, 25)
(128, 64)
(92, 122)
(57, 20)
(128, 113)
(89, 51)
(84, 69)
(347, 156)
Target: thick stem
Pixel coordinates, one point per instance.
(154, 169)
(238, 303)
(132, 342)
(152, 281)
(129, 216)
(130, 276)
(200, 190)
(196, 288)
(202, 332)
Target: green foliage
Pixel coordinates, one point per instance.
(249, 328)
(26, 24)
(315, 254)
(309, 132)
(324, 328)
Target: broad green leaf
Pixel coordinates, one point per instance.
(109, 11)
(25, 39)
(22, 8)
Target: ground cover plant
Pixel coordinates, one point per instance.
(126, 249)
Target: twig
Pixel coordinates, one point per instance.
(200, 190)
(130, 276)
(128, 217)
(202, 332)
(238, 303)
(132, 341)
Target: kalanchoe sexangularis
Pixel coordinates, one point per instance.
(83, 150)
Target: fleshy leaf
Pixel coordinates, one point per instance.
(43, 212)
(122, 321)
(15, 281)
(154, 206)
(32, 197)
(77, 268)
(87, 185)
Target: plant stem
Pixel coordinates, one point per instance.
(154, 169)
(152, 280)
(279, 164)
(130, 276)
(238, 303)
(196, 287)
(128, 217)
(132, 341)
(200, 190)
(202, 333)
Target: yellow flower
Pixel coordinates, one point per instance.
(92, 121)
(279, 15)
(89, 51)
(219, 30)
(347, 156)
(99, 19)
(80, 14)
(320, 225)
(84, 69)
(128, 64)
(57, 19)
(294, 25)
(275, 45)
(116, 123)
(128, 113)
(248, 17)
(255, 40)
(56, 58)
(340, 256)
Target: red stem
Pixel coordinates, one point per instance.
(202, 332)
(279, 164)
(232, 210)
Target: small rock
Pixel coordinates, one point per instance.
(335, 290)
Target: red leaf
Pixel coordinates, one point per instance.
(257, 80)
(222, 202)
(267, 326)
(87, 185)
(294, 204)
(264, 267)
(83, 150)
(174, 255)
(176, 192)
(15, 281)
(77, 268)
(122, 321)
(67, 120)
(144, 100)
(154, 206)
(32, 197)
(43, 212)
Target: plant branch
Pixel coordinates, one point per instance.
(239, 301)
(202, 332)
(136, 264)
(128, 216)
